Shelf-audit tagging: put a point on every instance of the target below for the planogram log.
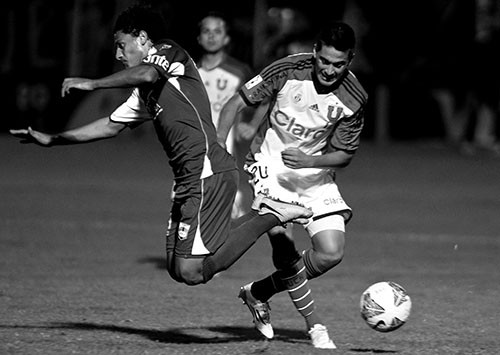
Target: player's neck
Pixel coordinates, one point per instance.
(210, 61)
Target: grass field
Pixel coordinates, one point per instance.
(82, 253)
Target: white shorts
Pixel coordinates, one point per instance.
(320, 193)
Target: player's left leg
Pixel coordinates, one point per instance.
(327, 230)
(292, 273)
(327, 246)
(327, 251)
(293, 276)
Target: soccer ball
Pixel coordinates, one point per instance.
(385, 306)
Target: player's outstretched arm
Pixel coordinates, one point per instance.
(100, 129)
(130, 77)
(29, 135)
(76, 83)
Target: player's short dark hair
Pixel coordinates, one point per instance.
(337, 34)
(138, 18)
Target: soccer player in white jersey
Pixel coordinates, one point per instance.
(313, 127)
(222, 75)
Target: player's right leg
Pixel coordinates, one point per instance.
(260, 311)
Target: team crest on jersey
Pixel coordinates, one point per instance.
(183, 231)
(253, 82)
(297, 98)
(335, 112)
(221, 84)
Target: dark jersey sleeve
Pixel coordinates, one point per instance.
(347, 135)
(168, 59)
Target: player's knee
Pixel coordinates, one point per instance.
(190, 277)
(189, 274)
(174, 275)
(332, 257)
(328, 249)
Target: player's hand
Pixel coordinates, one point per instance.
(76, 83)
(294, 158)
(29, 135)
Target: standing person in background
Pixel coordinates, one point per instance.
(313, 128)
(201, 239)
(222, 76)
(468, 103)
(486, 79)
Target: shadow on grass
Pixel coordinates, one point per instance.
(196, 335)
(159, 262)
(373, 351)
(187, 335)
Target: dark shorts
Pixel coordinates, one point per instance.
(200, 218)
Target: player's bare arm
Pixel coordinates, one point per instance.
(227, 116)
(29, 135)
(294, 158)
(129, 77)
(76, 83)
(247, 129)
(100, 129)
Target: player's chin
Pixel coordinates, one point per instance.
(327, 82)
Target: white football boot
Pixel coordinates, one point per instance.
(284, 211)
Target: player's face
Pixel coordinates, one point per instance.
(330, 64)
(213, 36)
(129, 50)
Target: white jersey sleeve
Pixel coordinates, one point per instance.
(133, 110)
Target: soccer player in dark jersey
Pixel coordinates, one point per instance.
(168, 91)
(312, 128)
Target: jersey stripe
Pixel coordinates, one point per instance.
(355, 90)
(275, 69)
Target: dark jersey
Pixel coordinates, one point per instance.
(179, 107)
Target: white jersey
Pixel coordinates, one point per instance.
(315, 122)
(222, 82)
(300, 117)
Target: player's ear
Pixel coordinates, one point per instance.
(143, 37)
(227, 39)
(351, 56)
